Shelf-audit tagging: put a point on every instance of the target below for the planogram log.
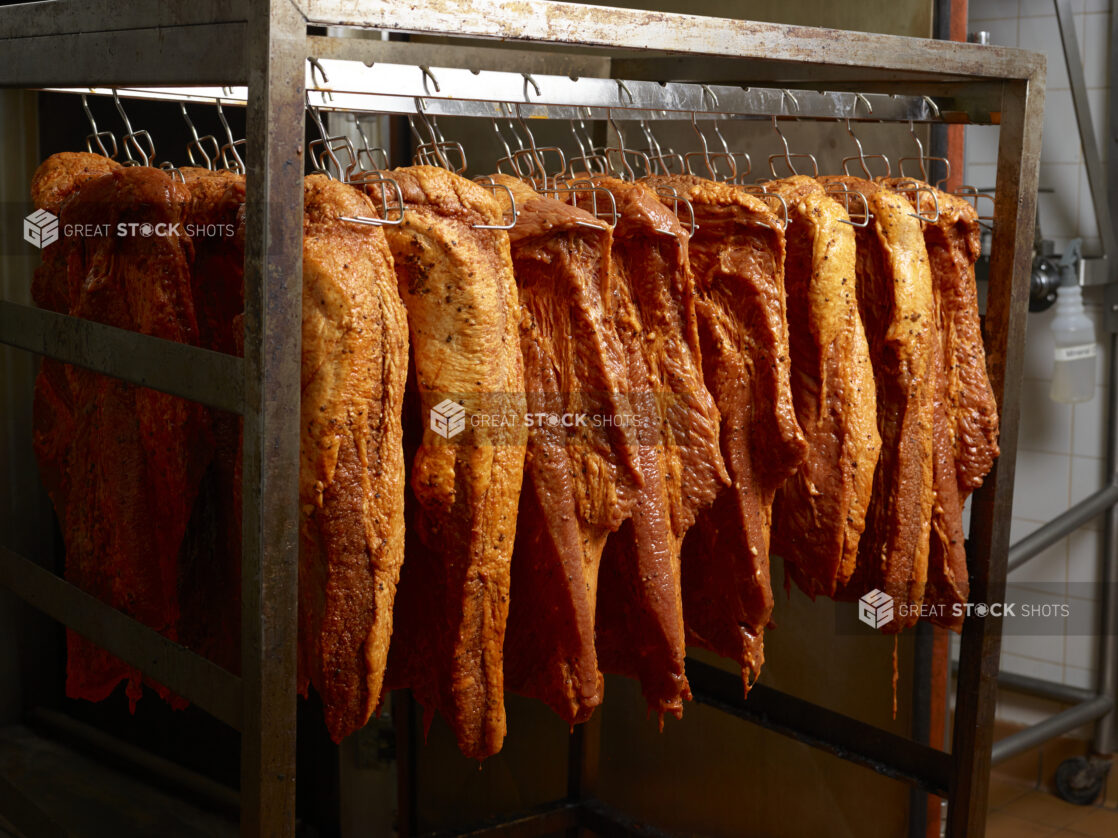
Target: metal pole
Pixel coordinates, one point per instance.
(1012, 682)
(1050, 728)
(276, 50)
(1104, 740)
(1095, 180)
(1037, 542)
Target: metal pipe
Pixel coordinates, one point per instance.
(1078, 84)
(1105, 738)
(1039, 687)
(1035, 543)
(1044, 689)
(1050, 728)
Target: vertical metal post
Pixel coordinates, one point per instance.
(988, 545)
(1105, 738)
(276, 51)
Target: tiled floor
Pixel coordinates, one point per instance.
(1020, 811)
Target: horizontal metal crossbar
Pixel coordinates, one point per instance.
(586, 25)
(185, 673)
(210, 378)
(884, 752)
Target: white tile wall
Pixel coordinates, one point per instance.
(1094, 46)
(1084, 559)
(1049, 429)
(1061, 138)
(1088, 475)
(1048, 570)
(1042, 34)
(1061, 450)
(1088, 426)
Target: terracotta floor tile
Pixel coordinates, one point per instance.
(1004, 791)
(1043, 808)
(1096, 822)
(1002, 825)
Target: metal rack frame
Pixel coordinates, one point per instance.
(264, 44)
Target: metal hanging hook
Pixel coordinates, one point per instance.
(919, 153)
(623, 153)
(536, 156)
(863, 158)
(98, 138)
(509, 157)
(316, 66)
(323, 142)
(924, 160)
(589, 156)
(197, 144)
(426, 122)
(732, 157)
(427, 74)
(435, 151)
(620, 146)
(788, 155)
(709, 159)
(230, 158)
(661, 161)
(705, 153)
(528, 80)
(370, 152)
(132, 139)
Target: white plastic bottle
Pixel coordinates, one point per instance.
(1073, 379)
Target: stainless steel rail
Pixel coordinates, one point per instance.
(1063, 525)
(1050, 728)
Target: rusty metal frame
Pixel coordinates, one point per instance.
(264, 43)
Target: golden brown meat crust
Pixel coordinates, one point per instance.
(463, 314)
(640, 609)
(122, 463)
(820, 513)
(56, 179)
(737, 255)
(351, 476)
(966, 431)
(897, 304)
(583, 476)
